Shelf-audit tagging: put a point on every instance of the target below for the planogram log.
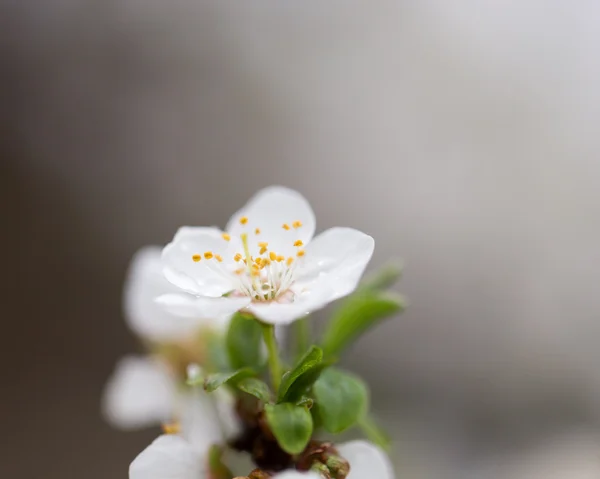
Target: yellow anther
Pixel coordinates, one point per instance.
(257, 231)
(239, 271)
(263, 244)
(272, 256)
(263, 250)
(226, 236)
(300, 253)
(208, 255)
(219, 258)
(297, 224)
(237, 257)
(289, 261)
(265, 262)
(171, 428)
(285, 226)
(243, 220)
(258, 261)
(298, 243)
(280, 258)
(197, 257)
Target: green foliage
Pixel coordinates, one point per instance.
(301, 377)
(256, 388)
(356, 314)
(291, 425)
(374, 432)
(341, 399)
(243, 342)
(215, 381)
(383, 278)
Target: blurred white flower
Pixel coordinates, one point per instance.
(146, 390)
(264, 263)
(176, 458)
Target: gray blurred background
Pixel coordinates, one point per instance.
(462, 135)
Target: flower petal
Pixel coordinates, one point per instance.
(207, 277)
(168, 457)
(366, 460)
(139, 393)
(296, 475)
(145, 281)
(268, 210)
(208, 419)
(287, 312)
(336, 259)
(188, 306)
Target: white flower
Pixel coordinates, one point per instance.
(145, 282)
(265, 262)
(172, 457)
(145, 390)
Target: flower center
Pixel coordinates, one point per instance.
(267, 276)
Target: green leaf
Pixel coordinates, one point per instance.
(374, 432)
(215, 381)
(291, 425)
(357, 314)
(243, 342)
(341, 398)
(256, 388)
(300, 378)
(216, 353)
(383, 278)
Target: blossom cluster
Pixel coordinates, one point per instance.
(213, 309)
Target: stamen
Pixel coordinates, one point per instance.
(300, 253)
(263, 244)
(297, 224)
(208, 255)
(239, 271)
(237, 257)
(219, 258)
(289, 261)
(257, 231)
(285, 226)
(226, 236)
(298, 243)
(263, 250)
(171, 428)
(280, 258)
(243, 220)
(197, 257)
(272, 256)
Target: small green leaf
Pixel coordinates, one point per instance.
(243, 342)
(216, 357)
(295, 382)
(383, 278)
(256, 388)
(356, 314)
(341, 398)
(291, 425)
(374, 432)
(215, 381)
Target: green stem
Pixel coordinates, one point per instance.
(302, 333)
(274, 362)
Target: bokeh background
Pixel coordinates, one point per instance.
(462, 135)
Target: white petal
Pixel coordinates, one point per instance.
(205, 277)
(145, 281)
(285, 313)
(336, 259)
(188, 306)
(140, 393)
(168, 457)
(208, 419)
(366, 460)
(269, 210)
(297, 475)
